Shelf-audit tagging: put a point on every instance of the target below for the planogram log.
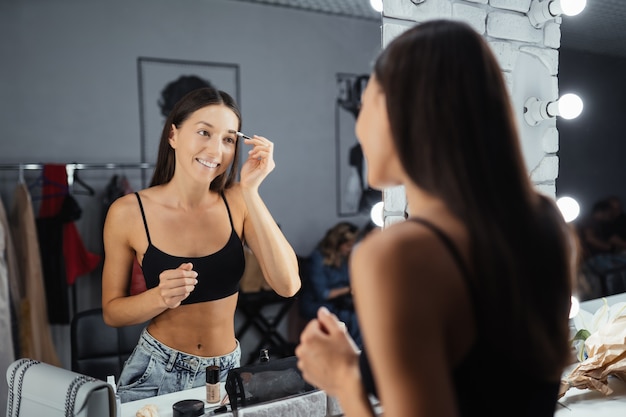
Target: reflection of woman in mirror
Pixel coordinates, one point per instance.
(328, 282)
(187, 231)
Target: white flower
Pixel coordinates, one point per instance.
(587, 323)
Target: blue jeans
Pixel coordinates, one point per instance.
(155, 369)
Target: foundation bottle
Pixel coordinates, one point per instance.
(212, 384)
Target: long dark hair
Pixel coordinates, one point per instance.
(192, 101)
(456, 136)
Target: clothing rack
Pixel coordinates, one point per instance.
(71, 167)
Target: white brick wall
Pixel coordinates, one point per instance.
(506, 27)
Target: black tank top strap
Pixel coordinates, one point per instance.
(227, 209)
(454, 251)
(143, 215)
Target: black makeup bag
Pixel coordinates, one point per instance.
(266, 381)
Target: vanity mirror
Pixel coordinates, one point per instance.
(70, 93)
(592, 61)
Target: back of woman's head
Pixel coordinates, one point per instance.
(188, 104)
(450, 116)
(456, 136)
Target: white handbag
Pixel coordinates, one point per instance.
(40, 389)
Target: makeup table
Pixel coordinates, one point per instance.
(164, 402)
(586, 403)
(312, 404)
(575, 403)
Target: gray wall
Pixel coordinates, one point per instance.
(70, 89)
(69, 93)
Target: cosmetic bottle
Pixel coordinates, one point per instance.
(212, 384)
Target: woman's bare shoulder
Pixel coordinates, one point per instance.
(412, 259)
(399, 242)
(122, 205)
(125, 210)
(130, 201)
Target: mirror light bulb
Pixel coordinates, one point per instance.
(570, 106)
(570, 209)
(572, 7)
(376, 214)
(377, 5)
(542, 11)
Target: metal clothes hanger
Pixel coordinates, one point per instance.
(73, 178)
(88, 190)
(41, 180)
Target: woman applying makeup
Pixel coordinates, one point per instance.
(187, 231)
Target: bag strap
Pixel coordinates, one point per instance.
(72, 392)
(16, 381)
(23, 366)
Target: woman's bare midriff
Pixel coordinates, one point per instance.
(202, 329)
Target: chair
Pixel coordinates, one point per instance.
(97, 349)
(252, 306)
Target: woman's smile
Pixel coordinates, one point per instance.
(208, 164)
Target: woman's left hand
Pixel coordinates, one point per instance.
(260, 162)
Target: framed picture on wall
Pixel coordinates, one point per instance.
(354, 195)
(162, 82)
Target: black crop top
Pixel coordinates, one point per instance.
(218, 273)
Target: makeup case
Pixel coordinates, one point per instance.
(40, 389)
(266, 381)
